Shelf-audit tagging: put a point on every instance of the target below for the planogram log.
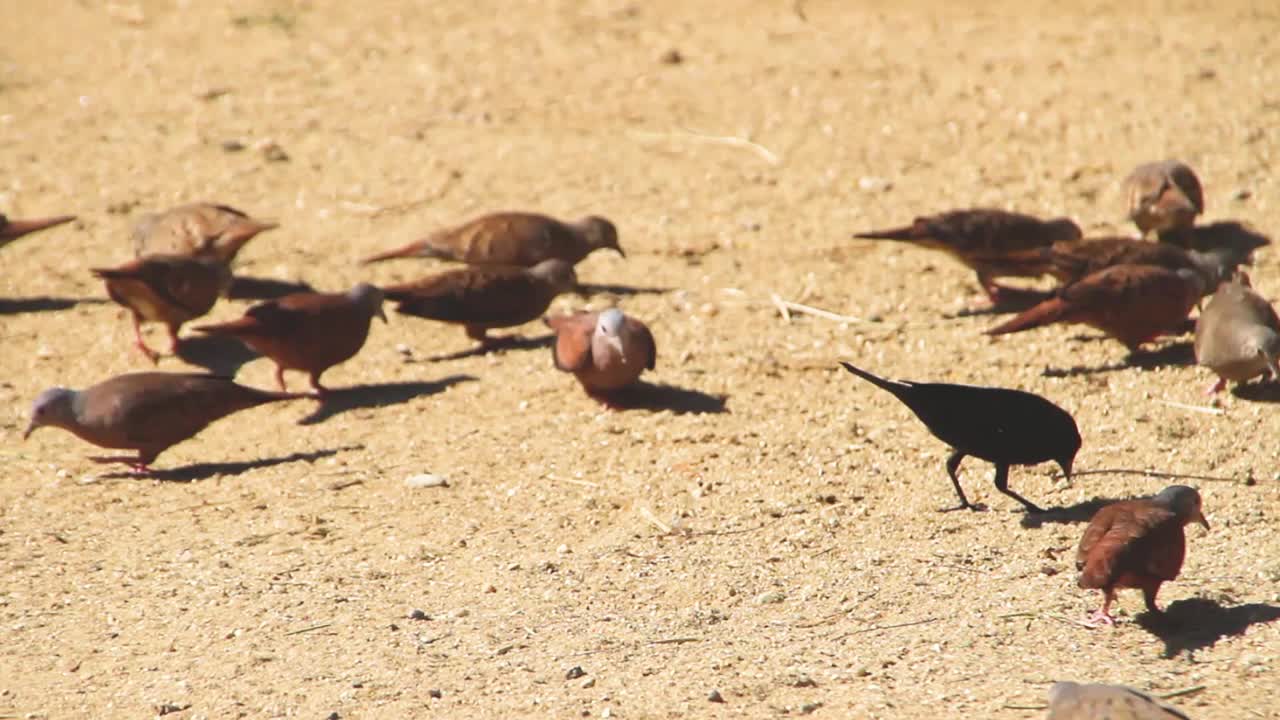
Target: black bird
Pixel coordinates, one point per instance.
(1004, 427)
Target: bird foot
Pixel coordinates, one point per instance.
(138, 467)
(976, 507)
(1217, 387)
(1100, 618)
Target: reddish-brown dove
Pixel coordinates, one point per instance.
(983, 239)
(1137, 544)
(1131, 303)
(513, 238)
(168, 289)
(1238, 334)
(308, 331)
(481, 298)
(1163, 196)
(197, 229)
(1074, 701)
(606, 350)
(145, 412)
(11, 229)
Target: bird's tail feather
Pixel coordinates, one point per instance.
(1047, 312)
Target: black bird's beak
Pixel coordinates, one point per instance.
(1066, 467)
(1201, 519)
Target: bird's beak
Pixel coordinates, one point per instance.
(31, 427)
(615, 342)
(1066, 467)
(1201, 519)
(619, 250)
(381, 313)
(17, 228)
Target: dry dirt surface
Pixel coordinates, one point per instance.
(766, 532)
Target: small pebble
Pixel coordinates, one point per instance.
(426, 480)
(770, 597)
(417, 614)
(589, 683)
(333, 716)
(671, 57)
(435, 693)
(232, 146)
(575, 672)
(715, 696)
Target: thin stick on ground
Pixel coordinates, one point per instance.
(1147, 473)
(572, 481)
(786, 307)
(1185, 691)
(321, 626)
(1193, 408)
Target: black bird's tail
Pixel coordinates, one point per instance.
(892, 386)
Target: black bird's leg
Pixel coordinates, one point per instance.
(1002, 484)
(953, 465)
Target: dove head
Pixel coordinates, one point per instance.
(1062, 230)
(557, 273)
(1185, 503)
(368, 297)
(55, 407)
(600, 234)
(609, 328)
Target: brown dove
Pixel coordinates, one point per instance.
(1131, 303)
(307, 331)
(1071, 261)
(197, 229)
(983, 239)
(1163, 196)
(12, 229)
(481, 298)
(606, 351)
(513, 238)
(169, 289)
(1238, 334)
(146, 412)
(1074, 701)
(1137, 544)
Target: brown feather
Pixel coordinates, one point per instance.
(198, 230)
(511, 238)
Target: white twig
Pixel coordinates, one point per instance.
(648, 515)
(1193, 408)
(786, 307)
(572, 481)
(730, 140)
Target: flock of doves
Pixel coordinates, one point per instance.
(1134, 289)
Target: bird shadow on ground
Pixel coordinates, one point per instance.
(244, 287)
(1198, 623)
(1266, 392)
(649, 396)
(1078, 513)
(499, 344)
(1176, 354)
(15, 306)
(587, 290)
(204, 471)
(1012, 300)
(373, 396)
(217, 354)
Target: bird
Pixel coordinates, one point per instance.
(1071, 261)
(1131, 303)
(1238, 334)
(481, 298)
(1163, 196)
(146, 412)
(607, 351)
(12, 229)
(1227, 234)
(982, 239)
(307, 331)
(1002, 426)
(169, 289)
(512, 238)
(1095, 701)
(197, 229)
(1137, 544)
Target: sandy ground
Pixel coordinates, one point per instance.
(768, 530)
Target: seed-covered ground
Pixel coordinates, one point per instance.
(765, 533)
